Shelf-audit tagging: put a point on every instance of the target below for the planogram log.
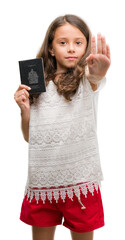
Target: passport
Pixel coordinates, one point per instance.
(32, 74)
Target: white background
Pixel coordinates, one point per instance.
(23, 26)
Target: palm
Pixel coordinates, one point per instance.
(99, 60)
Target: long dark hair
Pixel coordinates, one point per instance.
(68, 82)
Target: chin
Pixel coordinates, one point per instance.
(71, 66)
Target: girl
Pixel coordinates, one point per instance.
(64, 171)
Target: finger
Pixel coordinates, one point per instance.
(99, 43)
(93, 45)
(18, 94)
(20, 100)
(22, 86)
(21, 93)
(103, 46)
(108, 51)
(90, 58)
(26, 93)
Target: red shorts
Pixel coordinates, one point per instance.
(75, 218)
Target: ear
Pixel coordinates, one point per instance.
(51, 50)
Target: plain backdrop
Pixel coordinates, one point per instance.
(23, 25)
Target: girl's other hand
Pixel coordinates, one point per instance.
(99, 60)
(21, 97)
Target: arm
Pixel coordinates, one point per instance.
(22, 99)
(98, 61)
(25, 117)
(94, 86)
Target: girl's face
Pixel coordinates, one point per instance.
(68, 46)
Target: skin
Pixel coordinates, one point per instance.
(47, 233)
(68, 47)
(21, 97)
(99, 60)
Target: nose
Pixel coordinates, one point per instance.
(71, 47)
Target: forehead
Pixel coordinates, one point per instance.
(68, 31)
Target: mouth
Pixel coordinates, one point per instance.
(71, 58)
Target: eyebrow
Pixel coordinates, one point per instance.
(77, 38)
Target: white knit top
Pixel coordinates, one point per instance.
(63, 147)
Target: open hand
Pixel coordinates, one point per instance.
(99, 60)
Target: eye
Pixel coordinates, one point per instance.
(62, 42)
(78, 43)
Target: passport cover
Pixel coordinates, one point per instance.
(32, 74)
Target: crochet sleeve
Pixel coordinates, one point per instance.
(101, 84)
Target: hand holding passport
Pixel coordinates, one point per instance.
(32, 74)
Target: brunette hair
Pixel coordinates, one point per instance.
(68, 82)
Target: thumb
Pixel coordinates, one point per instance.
(90, 58)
